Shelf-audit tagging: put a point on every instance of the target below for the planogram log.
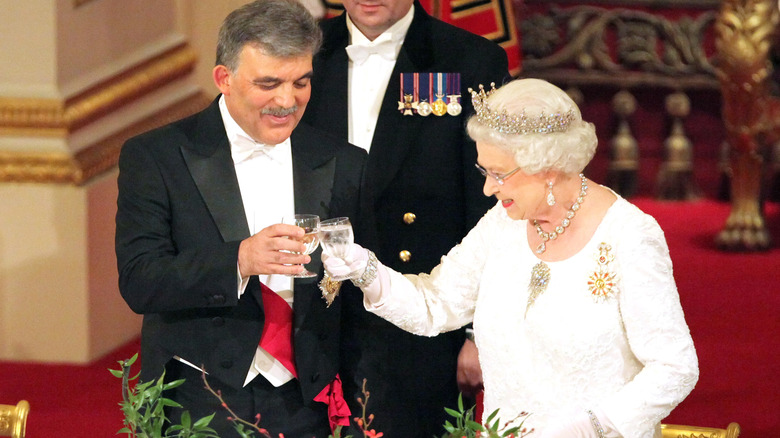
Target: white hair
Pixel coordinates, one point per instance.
(568, 152)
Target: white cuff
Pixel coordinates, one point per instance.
(242, 282)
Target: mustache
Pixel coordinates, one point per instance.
(280, 111)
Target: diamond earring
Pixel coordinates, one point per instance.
(550, 196)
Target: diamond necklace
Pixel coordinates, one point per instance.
(546, 237)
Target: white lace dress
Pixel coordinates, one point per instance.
(621, 345)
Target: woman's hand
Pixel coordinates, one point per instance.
(588, 424)
(577, 427)
(349, 267)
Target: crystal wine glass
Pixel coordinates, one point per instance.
(336, 237)
(311, 225)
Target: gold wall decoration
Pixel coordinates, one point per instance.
(77, 3)
(44, 115)
(746, 30)
(619, 47)
(658, 4)
(52, 118)
(92, 161)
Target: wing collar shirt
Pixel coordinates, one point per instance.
(265, 178)
(370, 66)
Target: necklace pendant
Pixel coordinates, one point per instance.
(560, 229)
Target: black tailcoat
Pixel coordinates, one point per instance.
(180, 221)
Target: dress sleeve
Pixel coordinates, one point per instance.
(656, 331)
(444, 300)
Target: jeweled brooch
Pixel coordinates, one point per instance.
(329, 288)
(540, 278)
(602, 283)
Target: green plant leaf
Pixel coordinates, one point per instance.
(170, 403)
(186, 421)
(203, 422)
(474, 425)
(173, 384)
(453, 413)
(491, 416)
(511, 431)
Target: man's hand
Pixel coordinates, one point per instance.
(469, 371)
(274, 250)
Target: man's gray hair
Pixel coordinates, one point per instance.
(280, 28)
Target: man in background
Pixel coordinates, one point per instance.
(202, 253)
(392, 80)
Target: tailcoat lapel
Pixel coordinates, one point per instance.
(314, 168)
(390, 144)
(211, 166)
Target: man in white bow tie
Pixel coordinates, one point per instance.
(422, 193)
(200, 248)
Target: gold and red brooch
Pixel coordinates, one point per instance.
(602, 283)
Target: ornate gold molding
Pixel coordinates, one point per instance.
(92, 161)
(77, 3)
(622, 47)
(746, 31)
(45, 115)
(678, 4)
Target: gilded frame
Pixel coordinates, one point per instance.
(669, 4)
(77, 3)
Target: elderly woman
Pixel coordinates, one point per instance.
(569, 286)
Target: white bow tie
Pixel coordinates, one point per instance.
(244, 148)
(358, 53)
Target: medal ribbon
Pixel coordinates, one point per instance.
(416, 97)
(425, 87)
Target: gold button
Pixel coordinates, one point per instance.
(409, 218)
(404, 256)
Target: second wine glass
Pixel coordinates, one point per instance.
(336, 237)
(311, 226)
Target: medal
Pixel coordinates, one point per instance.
(424, 94)
(424, 109)
(453, 107)
(406, 105)
(439, 107)
(453, 88)
(408, 102)
(426, 91)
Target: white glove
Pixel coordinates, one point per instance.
(581, 426)
(578, 427)
(351, 266)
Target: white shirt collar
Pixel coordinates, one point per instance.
(239, 139)
(396, 32)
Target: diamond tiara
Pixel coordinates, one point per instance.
(505, 123)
